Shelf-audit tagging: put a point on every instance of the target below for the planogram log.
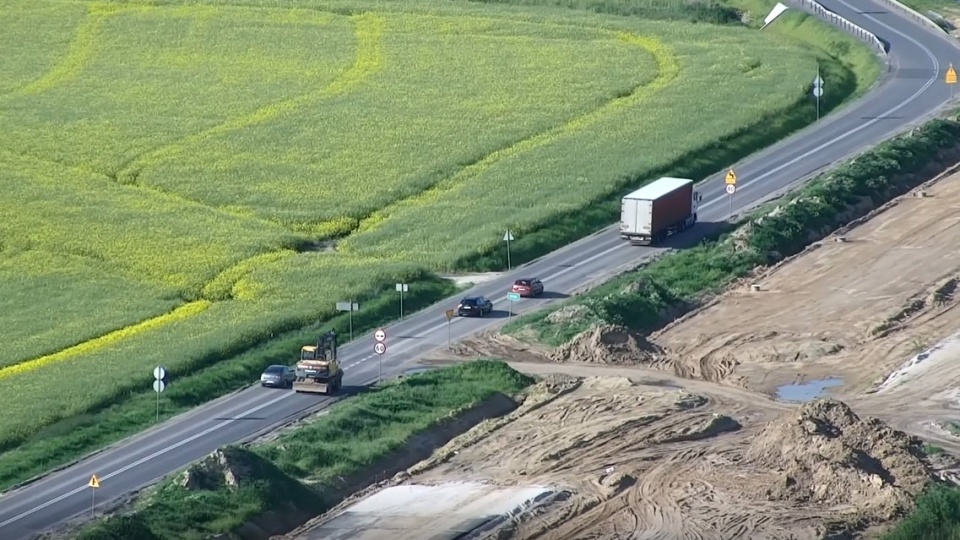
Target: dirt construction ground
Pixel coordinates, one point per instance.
(682, 435)
(877, 311)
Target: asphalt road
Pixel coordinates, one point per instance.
(911, 91)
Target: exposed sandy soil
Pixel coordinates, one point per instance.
(637, 456)
(878, 310)
(701, 448)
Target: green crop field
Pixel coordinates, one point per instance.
(183, 181)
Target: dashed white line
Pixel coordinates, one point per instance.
(225, 423)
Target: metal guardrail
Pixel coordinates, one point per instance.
(821, 12)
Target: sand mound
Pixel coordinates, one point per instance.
(224, 467)
(828, 455)
(608, 344)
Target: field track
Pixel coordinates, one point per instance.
(204, 184)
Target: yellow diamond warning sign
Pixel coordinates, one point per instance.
(951, 77)
(731, 177)
(94, 482)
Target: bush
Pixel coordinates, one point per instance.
(936, 517)
(126, 527)
(354, 434)
(660, 291)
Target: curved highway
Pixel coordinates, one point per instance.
(912, 90)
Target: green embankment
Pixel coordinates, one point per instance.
(850, 68)
(650, 297)
(297, 475)
(936, 517)
(655, 294)
(226, 371)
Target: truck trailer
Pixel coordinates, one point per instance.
(657, 210)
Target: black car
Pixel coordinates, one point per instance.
(277, 376)
(474, 305)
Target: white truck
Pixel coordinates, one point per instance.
(663, 207)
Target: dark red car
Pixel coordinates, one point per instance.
(528, 287)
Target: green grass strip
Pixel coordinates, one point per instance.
(936, 517)
(851, 67)
(74, 437)
(353, 435)
(659, 292)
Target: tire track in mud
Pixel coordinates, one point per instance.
(639, 461)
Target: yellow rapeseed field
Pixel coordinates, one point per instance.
(162, 164)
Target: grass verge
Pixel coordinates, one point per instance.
(274, 477)
(659, 292)
(74, 437)
(851, 67)
(851, 70)
(936, 517)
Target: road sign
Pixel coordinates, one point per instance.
(951, 77)
(731, 189)
(403, 287)
(94, 482)
(818, 82)
(451, 314)
(380, 335)
(508, 237)
(380, 348)
(158, 386)
(348, 306)
(818, 91)
(159, 373)
(731, 177)
(513, 297)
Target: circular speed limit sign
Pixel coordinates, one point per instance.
(379, 348)
(731, 188)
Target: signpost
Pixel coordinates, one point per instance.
(731, 181)
(159, 384)
(94, 485)
(402, 288)
(380, 347)
(450, 313)
(512, 297)
(951, 79)
(508, 237)
(818, 90)
(350, 307)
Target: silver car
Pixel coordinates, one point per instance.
(277, 376)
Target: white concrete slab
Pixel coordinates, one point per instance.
(415, 512)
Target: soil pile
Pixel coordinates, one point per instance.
(227, 467)
(609, 344)
(827, 455)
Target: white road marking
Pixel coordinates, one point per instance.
(501, 299)
(143, 460)
(936, 69)
(721, 198)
